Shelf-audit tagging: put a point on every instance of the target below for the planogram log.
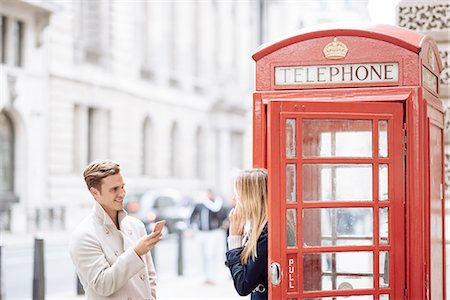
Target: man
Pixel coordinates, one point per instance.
(209, 215)
(110, 250)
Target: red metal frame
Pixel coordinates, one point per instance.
(278, 112)
(413, 52)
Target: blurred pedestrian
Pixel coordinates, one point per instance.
(110, 250)
(247, 243)
(208, 214)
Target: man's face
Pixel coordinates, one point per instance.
(111, 194)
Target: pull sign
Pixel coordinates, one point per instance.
(292, 273)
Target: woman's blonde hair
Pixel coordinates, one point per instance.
(251, 188)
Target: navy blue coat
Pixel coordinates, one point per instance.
(247, 277)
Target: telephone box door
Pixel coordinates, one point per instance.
(336, 209)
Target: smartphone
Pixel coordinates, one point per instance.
(159, 226)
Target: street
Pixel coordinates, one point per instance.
(17, 268)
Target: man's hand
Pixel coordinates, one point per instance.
(147, 242)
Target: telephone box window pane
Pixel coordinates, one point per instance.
(383, 138)
(337, 226)
(362, 297)
(336, 182)
(383, 194)
(291, 183)
(384, 269)
(290, 138)
(337, 270)
(384, 297)
(384, 225)
(291, 227)
(337, 138)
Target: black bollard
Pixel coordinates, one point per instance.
(153, 254)
(180, 252)
(39, 274)
(1, 280)
(80, 290)
(180, 226)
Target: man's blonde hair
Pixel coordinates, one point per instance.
(97, 170)
(251, 188)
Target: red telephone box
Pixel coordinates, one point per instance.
(350, 126)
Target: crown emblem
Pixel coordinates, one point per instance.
(335, 50)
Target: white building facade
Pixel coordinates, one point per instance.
(162, 87)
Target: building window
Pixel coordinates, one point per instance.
(12, 34)
(196, 40)
(237, 150)
(235, 38)
(147, 147)
(80, 133)
(173, 80)
(174, 161)
(18, 35)
(217, 45)
(6, 154)
(98, 133)
(91, 135)
(145, 43)
(3, 38)
(95, 30)
(199, 154)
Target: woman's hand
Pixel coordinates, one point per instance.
(236, 224)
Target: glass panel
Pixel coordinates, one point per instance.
(327, 182)
(383, 194)
(384, 225)
(337, 226)
(291, 227)
(382, 138)
(362, 297)
(291, 183)
(384, 297)
(290, 138)
(337, 138)
(384, 269)
(337, 270)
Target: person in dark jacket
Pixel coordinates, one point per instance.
(247, 242)
(208, 216)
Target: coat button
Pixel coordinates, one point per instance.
(106, 230)
(142, 277)
(116, 253)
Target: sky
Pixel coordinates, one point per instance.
(382, 11)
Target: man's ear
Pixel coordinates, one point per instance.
(94, 192)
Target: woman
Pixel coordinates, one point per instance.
(247, 243)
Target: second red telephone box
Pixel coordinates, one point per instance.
(350, 126)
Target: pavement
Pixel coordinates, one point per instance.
(183, 288)
(190, 286)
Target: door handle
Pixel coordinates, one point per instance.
(275, 273)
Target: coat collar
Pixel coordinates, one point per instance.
(101, 214)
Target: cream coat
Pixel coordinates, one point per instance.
(105, 260)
